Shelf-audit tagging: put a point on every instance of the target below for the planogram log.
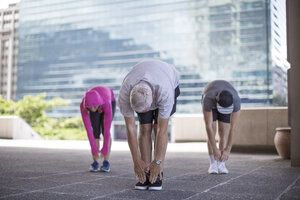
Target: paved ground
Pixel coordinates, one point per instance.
(40, 173)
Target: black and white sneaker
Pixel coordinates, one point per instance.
(157, 185)
(143, 186)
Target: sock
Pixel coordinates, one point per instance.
(212, 159)
(222, 162)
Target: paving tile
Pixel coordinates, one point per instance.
(74, 177)
(230, 196)
(163, 194)
(30, 184)
(32, 173)
(44, 196)
(4, 191)
(22, 174)
(293, 193)
(88, 190)
(119, 183)
(245, 189)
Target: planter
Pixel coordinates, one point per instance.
(282, 141)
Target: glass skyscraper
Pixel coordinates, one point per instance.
(68, 46)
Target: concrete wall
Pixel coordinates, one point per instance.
(13, 127)
(188, 127)
(256, 126)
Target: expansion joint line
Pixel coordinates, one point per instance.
(288, 188)
(223, 183)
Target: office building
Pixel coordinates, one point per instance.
(9, 22)
(68, 46)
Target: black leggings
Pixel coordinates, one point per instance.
(148, 117)
(97, 120)
(220, 117)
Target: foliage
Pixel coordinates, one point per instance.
(6, 107)
(33, 110)
(61, 133)
(63, 129)
(279, 100)
(74, 122)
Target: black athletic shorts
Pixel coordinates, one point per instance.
(152, 115)
(97, 120)
(220, 117)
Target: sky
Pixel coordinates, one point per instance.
(5, 3)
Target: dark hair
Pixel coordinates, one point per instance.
(225, 98)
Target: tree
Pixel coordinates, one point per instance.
(279, 100)
(6, 107)
(33, 108)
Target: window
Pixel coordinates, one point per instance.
(277, 33)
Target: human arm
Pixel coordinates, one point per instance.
(161, 142)
(107, 109)
(233, 126)
(88, 126)
(139, 165)
(208, 119)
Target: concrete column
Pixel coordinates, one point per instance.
(293, 48)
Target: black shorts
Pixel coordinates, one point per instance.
(220, 117)
(152, 115)
(97, 120)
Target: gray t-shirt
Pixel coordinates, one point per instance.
(163, 79)
(212, 89)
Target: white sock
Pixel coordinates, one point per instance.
(222, 162)
(212, 159)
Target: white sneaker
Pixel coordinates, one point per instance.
(222, 168)
(213, 168)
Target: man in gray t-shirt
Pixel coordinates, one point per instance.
(220, 102)
(150, 89)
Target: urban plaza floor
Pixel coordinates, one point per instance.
(59, 170)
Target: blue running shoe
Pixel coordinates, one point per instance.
(94, 167)
(105, 166)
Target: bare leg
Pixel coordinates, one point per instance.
(209, 147)
(145, 142)
(106, 157)
(223, 134)
(96, 157)
(155, 129)
(98, 143)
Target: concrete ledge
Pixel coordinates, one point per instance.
(14, 127)
(188, 128)
(252, 149)
(256, 127)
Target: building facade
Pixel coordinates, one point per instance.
(278, 51)
(68, 46)
(9, 22)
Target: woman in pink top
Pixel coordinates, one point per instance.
(97, 110)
